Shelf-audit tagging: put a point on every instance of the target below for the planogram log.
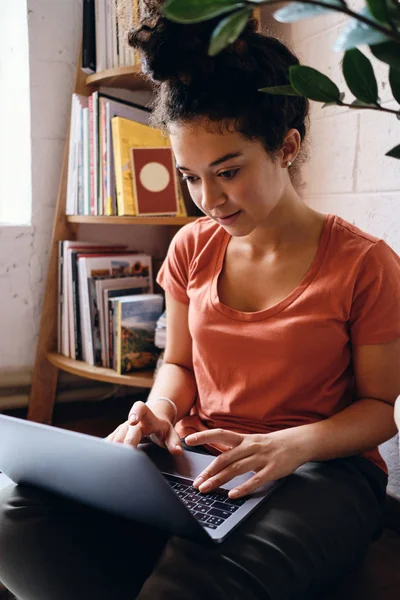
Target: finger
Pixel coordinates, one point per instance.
(173, 442)
(133, 436)
(111, 436)
(252, 484)
(119, 434)
(141, 413)
(229, 438)
(222, 462)
(237, 468)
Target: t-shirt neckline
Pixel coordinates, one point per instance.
(285, 302)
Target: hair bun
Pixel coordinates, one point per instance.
(173, 51)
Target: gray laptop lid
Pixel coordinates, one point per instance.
(112, 477)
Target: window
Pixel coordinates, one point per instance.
(15, 133)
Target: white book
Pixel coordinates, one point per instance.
(109, 50)
(95, 153)
(86, 160)
(74, 155)
(71, 183)
(76, 152)
(82, 103)
(101, 35)
(114, 38)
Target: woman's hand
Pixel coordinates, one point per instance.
(271, 456)
(142, 422)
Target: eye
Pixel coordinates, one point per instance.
(229, 174)
(188, 178)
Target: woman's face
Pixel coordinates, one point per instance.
(233, 180)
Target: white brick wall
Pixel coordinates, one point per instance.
(54, 32)
(348, 173)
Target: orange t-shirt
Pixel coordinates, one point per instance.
(290, 364)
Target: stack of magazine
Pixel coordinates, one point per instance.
(100, 286)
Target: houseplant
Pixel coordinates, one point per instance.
(376, 25)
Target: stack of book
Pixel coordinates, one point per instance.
(106, 24)
(118, 164)
(94, 279)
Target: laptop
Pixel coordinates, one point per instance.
(146, 484)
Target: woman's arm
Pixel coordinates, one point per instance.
(370, 420)
(362, 426)
(175, 379)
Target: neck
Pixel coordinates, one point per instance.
(288, 224)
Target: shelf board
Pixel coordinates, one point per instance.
(143, 379)
(130, 220)
(130, 78)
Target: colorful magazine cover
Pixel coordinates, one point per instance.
(136, 320)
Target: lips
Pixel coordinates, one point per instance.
(227, 216)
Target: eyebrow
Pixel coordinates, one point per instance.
(216, 162)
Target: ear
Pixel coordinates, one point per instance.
(291, 147)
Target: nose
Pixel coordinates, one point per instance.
(212, 196)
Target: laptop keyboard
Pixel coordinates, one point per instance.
(210, 509)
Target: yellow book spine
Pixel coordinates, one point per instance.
(116, 134)
(109, 209)
(182, 212)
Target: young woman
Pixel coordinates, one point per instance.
(282, 357)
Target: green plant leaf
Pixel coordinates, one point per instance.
(195, 11)
(228, 30)
(297, 11)
(281, 90)
(362, 104)
(355, 33)
(378, 9)
(359, 76)
(394, 152)
(312, 84)
(389, 53)
(394, 79)
(341, 98)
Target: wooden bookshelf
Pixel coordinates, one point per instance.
(47, 362)
(128, 78)
(130, 220)
(77, 367)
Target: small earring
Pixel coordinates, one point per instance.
(289, 163)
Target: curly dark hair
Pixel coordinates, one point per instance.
(189, 85)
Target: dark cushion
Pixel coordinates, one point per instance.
(378, 576)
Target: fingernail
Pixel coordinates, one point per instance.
(191, 438)
(234, 493)
(198, 480)
(205, 486)
(178, 447)
(133, 417)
